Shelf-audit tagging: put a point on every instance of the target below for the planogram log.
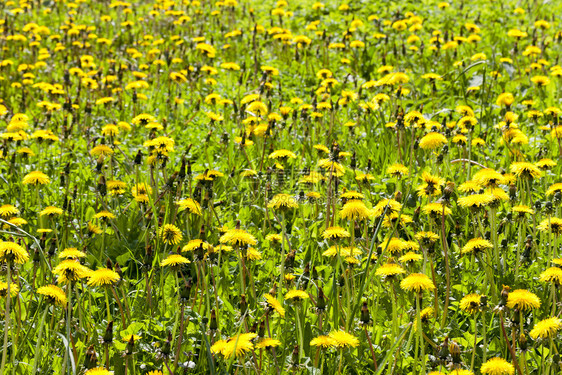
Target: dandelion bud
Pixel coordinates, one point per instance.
(306, 276)
(43, 240)
(243, 304)
(455, 351)
(102, 187)
(444, 349)
(548, 208)
(522, 342)
(557, 198)
(296, 354)
(181, 172)
(504, 294)
(512, 192)
(449, 190)
(213, 324)
(321, 303)
(108, 335)
(138, 158)
(261, 330)
(130, 348)
(167, 347)
(365, 315)
(99, 164)
(538, 205)
(91, 359)
(185, 292)
(173, 177)
(290, 260)
(314, 273)
(52, 247)
(147, 262)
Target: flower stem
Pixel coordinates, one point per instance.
(7, 320)
(38, 344)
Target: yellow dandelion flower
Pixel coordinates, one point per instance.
(342, 339)
(497, 366)
(11, 252)
(54, 294)
(36, 178)
(102, 277)
(546, 328)
(238, 237)
(170, 234)
(417, 282)
(522, 299)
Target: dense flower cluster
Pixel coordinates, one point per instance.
(280, 187)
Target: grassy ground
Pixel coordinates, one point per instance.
(272, 187)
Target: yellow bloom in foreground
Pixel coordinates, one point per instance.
(54, 294)
(174, 260)
(12, 252)
(36, 178)
(476, 200)
(8, 210)
(51, 211)
(274, 304)
(476, 245)
(432, 140)
(71, 270)
(14, 289)
(389, 270)
(525, 170)
(554, 188)
(436, 209)
(238, 237)
(282, 154)
(190, 205)
(417, 282)
(355, 210)
(335, 233)
(397, 170)
(296, 295)
(323, 342)
(522, 299)
(470, 303)
(98, 371)
(546, 328)
(461, 372)
(497, 366)
(554, 224)
(552, 274)
(239, 345)
(267, 343)
(103, 276)
(171, 234)
(283, 201)
(71, 253)
(342, 339)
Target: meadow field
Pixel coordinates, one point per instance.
(280, 187)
